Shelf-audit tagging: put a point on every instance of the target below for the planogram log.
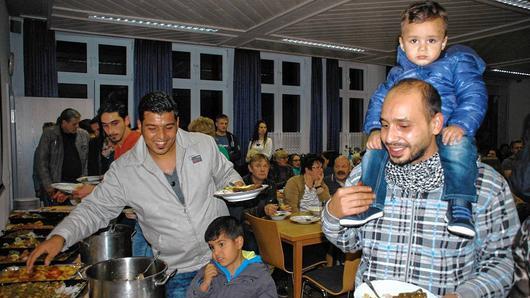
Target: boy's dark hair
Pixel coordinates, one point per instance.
(221, 116)
(113, 107)
(67, 115)
(157, 102)
(429, 94)
(308, 160)
(419, 12)
(227, 225)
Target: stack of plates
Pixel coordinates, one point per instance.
(26, 203)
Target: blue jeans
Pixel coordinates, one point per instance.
(140, 247)
(177, 286)
(458, 162)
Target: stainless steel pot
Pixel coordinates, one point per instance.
(109, 243)
(118, 278)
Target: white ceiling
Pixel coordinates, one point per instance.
(499, 33)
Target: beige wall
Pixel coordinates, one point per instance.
(5, 195)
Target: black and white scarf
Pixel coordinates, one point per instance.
(420, 177)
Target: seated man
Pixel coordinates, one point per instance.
(308, 189)
(281, 170)
(341, 171)
(232, 272)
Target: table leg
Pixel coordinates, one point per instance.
(297, 269)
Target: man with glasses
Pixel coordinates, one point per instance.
(308, 189)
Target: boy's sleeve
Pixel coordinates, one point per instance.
(193, 290)
(470, 89)
(267, 287)
(373, 115)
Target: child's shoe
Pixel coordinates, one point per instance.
(362, 218)
(460, 218)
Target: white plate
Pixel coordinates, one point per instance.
(280, 215)
(304, 219)
(388, 287)
(239, 196)
(66, 187)
(90, 179)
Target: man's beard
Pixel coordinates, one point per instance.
(413, 157)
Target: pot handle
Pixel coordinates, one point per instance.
(82, 272)
(165, 279)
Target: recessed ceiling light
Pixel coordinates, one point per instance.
(323, 45)
(511, 72)
(150, 23)
(517, 3)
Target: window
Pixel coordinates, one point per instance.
(267, 71)
(183, 99)
(356, 114)
(356, 79)
(290, 73)
(202, 81)
(73, 90)
(71, 56)
(211, 67)
(291, 113)
(95, 67)
(181, 65)
(267, 110)
(211, 103)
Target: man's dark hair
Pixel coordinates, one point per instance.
(419, 12)
(221, 116)
(94, 120)
(431, 97)
(308, 160)
(85, 124)
(157, 102)
(512, 143)
(67, 115)
(227, 225)
(113, 107)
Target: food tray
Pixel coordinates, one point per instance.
(20, 233)
(49, 218)
(17, 274)
(56, 289)
(36, 225)
(66, 257)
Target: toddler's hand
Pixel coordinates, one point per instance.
(374, 140)
(452, 135)
(209, 273)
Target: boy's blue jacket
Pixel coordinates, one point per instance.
(251, 280)
(457, 75)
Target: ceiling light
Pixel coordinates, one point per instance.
(517, 3)
(323, 45)
(511, 72)
(150, 23)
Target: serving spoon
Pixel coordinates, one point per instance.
(140, 275)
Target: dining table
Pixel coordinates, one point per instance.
(299, 235)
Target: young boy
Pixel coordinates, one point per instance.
(457, 76)
(232, 272)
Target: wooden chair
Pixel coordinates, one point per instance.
(270, 244)
(335, 280)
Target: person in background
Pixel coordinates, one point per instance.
(489, 157)
(94, 126)
(295, 161)
(232, 272)
(456, 73)
(36, 181)
(341, 171)
(260, 142)
(226, 139)
(281, 170)
(328, 157)
(308, 189)
(509, 163)
(411, 242)
(205, 125)
(169, 178)
(265, 204)
(62, 155)
(504, 152)
(85, 124)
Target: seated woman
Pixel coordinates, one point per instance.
(264, 204)
(281, 170)
(294, 161)
(307, 189)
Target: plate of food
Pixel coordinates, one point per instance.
(90, 179)
(280, 215)
(391, 289)
(66, 187)
(40, 273)
(66, 289)
(304, 219)
(240, 193)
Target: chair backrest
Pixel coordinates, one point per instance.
(269, 241)
(351, 264)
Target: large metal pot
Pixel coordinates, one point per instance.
(109, 243)
(119, 278)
